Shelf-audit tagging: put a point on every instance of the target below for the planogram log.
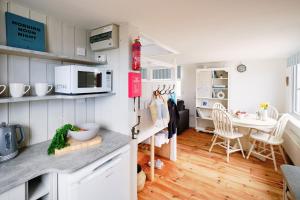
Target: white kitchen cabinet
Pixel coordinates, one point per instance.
(107, 178)
(17, 193)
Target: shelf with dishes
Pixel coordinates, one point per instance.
(46, 55)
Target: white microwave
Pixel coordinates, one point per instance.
(76, 79)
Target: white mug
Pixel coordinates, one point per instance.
(18, 89)
(4, 87)
(42, 89)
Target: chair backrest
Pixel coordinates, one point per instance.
(219, 106)
(273, 112)
(222, 122)
(280, 126)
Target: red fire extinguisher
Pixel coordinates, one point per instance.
(136, 54)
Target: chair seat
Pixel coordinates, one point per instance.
(234, 135)
(265, 137)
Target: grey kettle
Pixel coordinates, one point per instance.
(9, 142)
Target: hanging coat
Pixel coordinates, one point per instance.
(174, 118)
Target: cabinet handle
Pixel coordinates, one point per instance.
(100, 170)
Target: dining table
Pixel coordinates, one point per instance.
(251, 122)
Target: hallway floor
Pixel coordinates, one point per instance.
(198, 174)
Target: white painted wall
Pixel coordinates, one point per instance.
(188, 90)
(263, 81)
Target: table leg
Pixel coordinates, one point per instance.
(152, 161)
(247, 144)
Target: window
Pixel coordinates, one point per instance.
(178, 72)
(161, 74)
(144, 73)
(296, 89)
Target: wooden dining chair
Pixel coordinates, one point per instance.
(273, 112)
(273, 138)
(224, 130)
(218, 106)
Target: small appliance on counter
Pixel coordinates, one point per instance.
(75, 79)
(8, 140)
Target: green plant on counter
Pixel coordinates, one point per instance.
(59, 140)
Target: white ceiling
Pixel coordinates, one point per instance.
(200, 30)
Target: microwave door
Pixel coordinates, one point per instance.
(89, 82)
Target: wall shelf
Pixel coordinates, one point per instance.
(51, 97)
(45, 55)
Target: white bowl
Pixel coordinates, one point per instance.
(92, 130)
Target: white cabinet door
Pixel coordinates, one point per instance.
(17, 193)
(109, 182)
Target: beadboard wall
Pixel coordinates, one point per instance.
(40, 119)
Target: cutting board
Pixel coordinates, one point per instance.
(77, 145)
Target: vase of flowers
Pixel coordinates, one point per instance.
(264, 111)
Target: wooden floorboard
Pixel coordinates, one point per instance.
(198, 174)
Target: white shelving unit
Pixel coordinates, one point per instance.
(210, 82)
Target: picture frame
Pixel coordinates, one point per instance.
(204, 103)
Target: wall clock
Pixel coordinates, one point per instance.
(241, 68)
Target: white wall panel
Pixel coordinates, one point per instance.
(4, 113)
(3, 81)
(89, 52)
(80, 40)
(3, 9)
(80, 111)
(54, 35)
(38, 17)
(18, 9)
(18, 69)
(38, 122)
(68, 111)
(38, 110)
(90, 110)
(50, 73)
(68, 39)
(3, 72)
(19, 114)
(38, 73)
(55, 113)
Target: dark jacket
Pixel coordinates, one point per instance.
(174, 118)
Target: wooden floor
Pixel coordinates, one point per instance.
(198, 174)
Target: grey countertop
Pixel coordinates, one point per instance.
(291, 175)
(33, 161)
